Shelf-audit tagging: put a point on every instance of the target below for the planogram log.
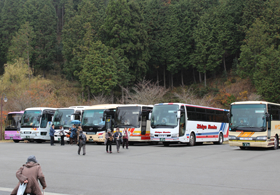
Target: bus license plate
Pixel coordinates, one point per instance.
(11, 137)
(58, 139)
(91, 140)
(161, 139)
(246, 144)
(27, 136)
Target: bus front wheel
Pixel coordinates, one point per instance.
(16, 141)
(276, 142)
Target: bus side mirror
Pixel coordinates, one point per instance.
(150, 116)
(72, 117)
(267, 116)
(178, 115)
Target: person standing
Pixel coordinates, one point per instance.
(117, 137)
(30, 173)
(73, 135)
(82, 142)
(52, 134)
(125, 138)
(62, 134)
(109, 139)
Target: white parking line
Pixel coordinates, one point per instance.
(46, 193)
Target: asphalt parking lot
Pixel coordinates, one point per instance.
(145, 169)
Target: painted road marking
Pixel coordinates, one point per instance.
(46, 193)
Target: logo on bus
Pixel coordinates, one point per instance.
(277, 126)
(205, 126)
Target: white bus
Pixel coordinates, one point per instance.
(36, 123)
(186, 123)
(254, 124)
(135, 117)
(95, 123)
(63, 117)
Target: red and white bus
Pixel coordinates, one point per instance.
(187, 123)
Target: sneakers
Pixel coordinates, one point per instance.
(110, 152)
(107, 152)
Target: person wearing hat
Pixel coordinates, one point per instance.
(109, 139)
(82, 142)
(30, 173)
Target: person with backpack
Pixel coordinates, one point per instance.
(29, 174)
(118, 137)
(109, 139)
(82, 142)
(73, 135)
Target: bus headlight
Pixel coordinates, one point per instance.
(232, 137)
(261, 138)
(174, 135)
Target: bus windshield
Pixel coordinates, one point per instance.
(62, 117)
(128, 116)
(13, 122)
(248, 117)
(164, 116)
(93, 118)
(31, 118)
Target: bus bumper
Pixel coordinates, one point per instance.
(263, 144)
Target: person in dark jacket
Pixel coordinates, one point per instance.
(82, 142)
(109, 139)
(117, 137)
(30, 173)
(73, 135)
(52, 134)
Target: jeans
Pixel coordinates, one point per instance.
(118, 144)
(81, 145)
(109, 143)
(52, 140)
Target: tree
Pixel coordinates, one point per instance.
(74, 31)
(21, 44)
(12, 16)
(123, 30)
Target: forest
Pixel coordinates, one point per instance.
(66, 52)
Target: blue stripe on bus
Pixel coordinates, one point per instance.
(211, 133)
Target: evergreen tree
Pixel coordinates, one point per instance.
(123, 30)
(74, 31)
(12, 16)
(21, 44)
(102, 68)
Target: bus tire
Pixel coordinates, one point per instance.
(16, 141)
(192, 140)
(165, 143)
(276, 142)
(221, 139)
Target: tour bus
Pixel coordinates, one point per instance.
(36, 123)
(63, 117)
(254, 124)
(95, 123)
(135, 117)
(187, 123)
(12, 127)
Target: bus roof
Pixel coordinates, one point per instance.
(253, 102)
(141, 105)
(102, 106)
(16, 112)
(79, 107)
(192, 105)
(41, 108)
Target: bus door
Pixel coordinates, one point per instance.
(182, 122)
(144, 125)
